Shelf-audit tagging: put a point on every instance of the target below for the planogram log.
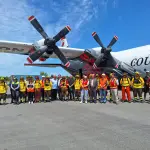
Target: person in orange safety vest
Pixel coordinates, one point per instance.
(30, 90)
(125, 83)
(113, 83)
(84, 87)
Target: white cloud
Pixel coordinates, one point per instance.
(53, 15)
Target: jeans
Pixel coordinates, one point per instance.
(93, 95)
(84, 95)
(102, 95)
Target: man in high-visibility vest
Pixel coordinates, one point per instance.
(64, 88)
(37, 89)
(77, 86)
(47, 89)
(113, 83)
(22, 90)
(84, 89)
(3, 90)
(98, 87)
(137, 84)
(125, 84)
(103, 88)
(146, 86)
(42, 87)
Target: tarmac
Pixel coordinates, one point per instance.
(74, 126)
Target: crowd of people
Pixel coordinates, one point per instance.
(92, 88)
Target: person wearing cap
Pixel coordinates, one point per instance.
(64, 88)
(22, 90)
(125, 84)
(146, 84)
(77, 86)
(113, 83)
(84, 89)
(93, 88)
(137, 84)
(71, 87)
(3, 90)
(47, 89)
(15, 86)
(30, 90)
(42, 88)
(103, 83)
(37, 88)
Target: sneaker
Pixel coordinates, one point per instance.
(81, 102)
(29, 102)
(85, 102)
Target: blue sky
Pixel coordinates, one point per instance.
(129, 20)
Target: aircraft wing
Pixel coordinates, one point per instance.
(26, 48)
(44, 65)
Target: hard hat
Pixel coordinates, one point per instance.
(137, 72)
(97, 75)
(43, 76)
(103, 74)
(77, 76)
(147, 71)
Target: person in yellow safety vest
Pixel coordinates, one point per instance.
(98, 86)
(37, 89)
(3, 90)
(77, 86)
(22, 90)
(125, 84)
(47, 89)
(137, 84)
(42, 87)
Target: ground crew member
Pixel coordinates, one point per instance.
(54, 87)
(77, 86)
(98, 87)
(47, 89)
(84, 89)
(146, 86)
(15, 86)
(42, 87)
(30, 90)
(37, 88)
(64, 88)
(59, 90)
(3, 90)
(137, 84)
(103, 83)
(125, 84)
(113, 83)
(71, 87)
(22, 90)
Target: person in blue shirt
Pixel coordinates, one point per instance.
(54, 87)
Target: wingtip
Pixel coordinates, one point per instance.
(116, 37)
(29, 60)
(31, 18)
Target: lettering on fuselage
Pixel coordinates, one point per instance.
(140, 61)
(11, 49)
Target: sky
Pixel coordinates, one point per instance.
(128, 19)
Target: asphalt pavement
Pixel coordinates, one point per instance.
(74, 126)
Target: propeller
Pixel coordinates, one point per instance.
(49, 43)
(105, 51)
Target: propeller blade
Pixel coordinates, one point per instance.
(37, 54)
(98, 61)
(37, 26)
(62, 33)
(113, 41)
(61, 56)
(97, 39)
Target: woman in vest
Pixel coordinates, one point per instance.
(3, 90)
(15, 86)
(22, 90)
(77, 86)
(64, 88)
(37, 88)
(30, 90)
(84, 89)
(113, 83)
(47, 89)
